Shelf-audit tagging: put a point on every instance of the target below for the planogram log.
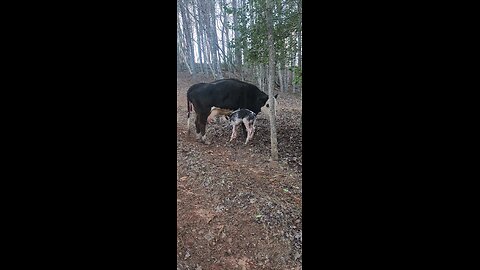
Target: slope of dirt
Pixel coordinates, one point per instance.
(237, 209)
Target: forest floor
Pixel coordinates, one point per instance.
(237, 209)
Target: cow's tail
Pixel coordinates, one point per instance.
(189, 109)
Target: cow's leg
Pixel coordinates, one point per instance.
(203, 123)
(197, 126)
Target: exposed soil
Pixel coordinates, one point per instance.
(237, 209)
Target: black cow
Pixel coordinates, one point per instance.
(229, 94)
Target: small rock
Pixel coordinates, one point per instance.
(298, 235)
(209, 236)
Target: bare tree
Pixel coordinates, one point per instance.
(280, 78)
(230, 35)
(187, 30)
(299, 29)
(181, 46)
(271, 74)
(199, 34)
(238, 52)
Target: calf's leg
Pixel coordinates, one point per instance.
(234, 133)
(250, 129)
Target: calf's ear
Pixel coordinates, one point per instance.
(275, 96)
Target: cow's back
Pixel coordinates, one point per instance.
(234, 94)
(195, 88)
(228, 94)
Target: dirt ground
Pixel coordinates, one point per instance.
(237, 209)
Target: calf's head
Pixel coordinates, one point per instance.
(217, 112)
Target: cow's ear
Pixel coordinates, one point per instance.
(263, 100)
(275, 96)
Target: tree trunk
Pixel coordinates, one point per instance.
(188, 33)
(238, 52)
(271, 65)
(181, 47)
(214, 41)
(293, 79)
(224, 15)
(299, 34)
(178, 45)
(280, 78)
(196, 12)
(228, 56)
(203, 22)
(259, 77)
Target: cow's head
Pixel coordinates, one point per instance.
(266, 108)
